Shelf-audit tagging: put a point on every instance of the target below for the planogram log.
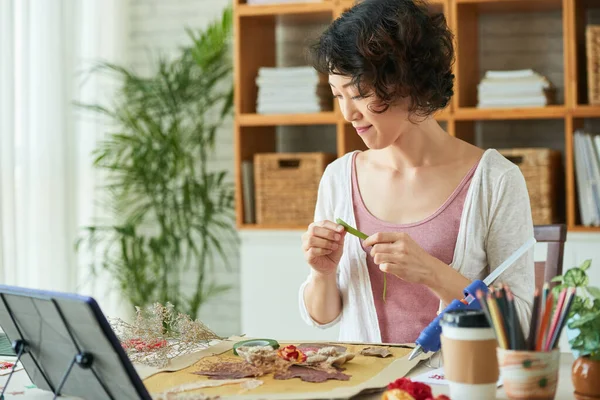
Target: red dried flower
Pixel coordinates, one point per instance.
(141, 345)
(291, 353)
(6, 365)
(418, 390)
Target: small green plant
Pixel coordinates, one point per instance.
(584, 314)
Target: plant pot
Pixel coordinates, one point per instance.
(586, 379)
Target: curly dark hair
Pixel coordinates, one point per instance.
(392, 49)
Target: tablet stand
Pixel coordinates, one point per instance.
(84, 359)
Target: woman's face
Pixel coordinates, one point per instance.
(377, 130)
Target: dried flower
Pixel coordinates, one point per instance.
(419, 390)
(6, 365)
(291, 353)
(157, 335)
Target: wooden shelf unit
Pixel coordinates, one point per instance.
(254, 47)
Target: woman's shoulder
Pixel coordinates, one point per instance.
(500, 178)
(495, 168)
(339, 169)
(336, 178)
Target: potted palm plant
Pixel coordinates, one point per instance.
(171, 212)
(583, 331)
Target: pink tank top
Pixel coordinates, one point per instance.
(410, 307)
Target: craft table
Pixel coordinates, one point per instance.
(20, 381)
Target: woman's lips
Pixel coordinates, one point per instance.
(362, 129)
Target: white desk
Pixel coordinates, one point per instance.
(565, 387)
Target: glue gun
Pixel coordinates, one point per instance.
(429, 339)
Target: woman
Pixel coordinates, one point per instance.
(439, 211)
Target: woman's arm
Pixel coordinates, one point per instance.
(510, 227)
(319, 296)
(322, 298)
(446, 282)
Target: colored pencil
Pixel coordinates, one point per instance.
(501, 296)
(534, 320)
(517, 334)
(555, 318)
(563, 318)
(544, 323)
(505, 317)
(511, 324)
(484, 306)
(545, 292)
(498, 323)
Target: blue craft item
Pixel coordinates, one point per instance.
(429, 339)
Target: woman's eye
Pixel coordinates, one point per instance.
(359, 97)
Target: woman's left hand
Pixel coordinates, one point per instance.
(399, 255)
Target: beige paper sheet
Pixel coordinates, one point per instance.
(367, 373)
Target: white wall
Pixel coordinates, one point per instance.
(272, 269)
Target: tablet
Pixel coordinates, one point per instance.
(58, 326)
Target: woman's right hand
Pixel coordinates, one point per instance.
(323, 244)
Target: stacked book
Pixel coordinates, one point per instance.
(297, 90)
(518, 88)
(587, 174)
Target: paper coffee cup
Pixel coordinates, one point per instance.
(469, 354)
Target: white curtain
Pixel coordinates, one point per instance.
(47, 183)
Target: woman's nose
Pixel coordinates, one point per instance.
(349, 110)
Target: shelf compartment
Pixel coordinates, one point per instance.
(259, 43)
(581, 14)
(323, 118)
(479, 114)
(479, 50)
(588, 124)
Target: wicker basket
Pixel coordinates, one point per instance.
(287, 185)
(541, 169)
(592, 39)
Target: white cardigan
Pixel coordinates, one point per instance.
(496, 220)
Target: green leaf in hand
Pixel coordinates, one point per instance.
(362, 236)
(352, 230)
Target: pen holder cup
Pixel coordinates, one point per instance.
(529, 374)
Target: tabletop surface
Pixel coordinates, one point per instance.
(18, 387)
